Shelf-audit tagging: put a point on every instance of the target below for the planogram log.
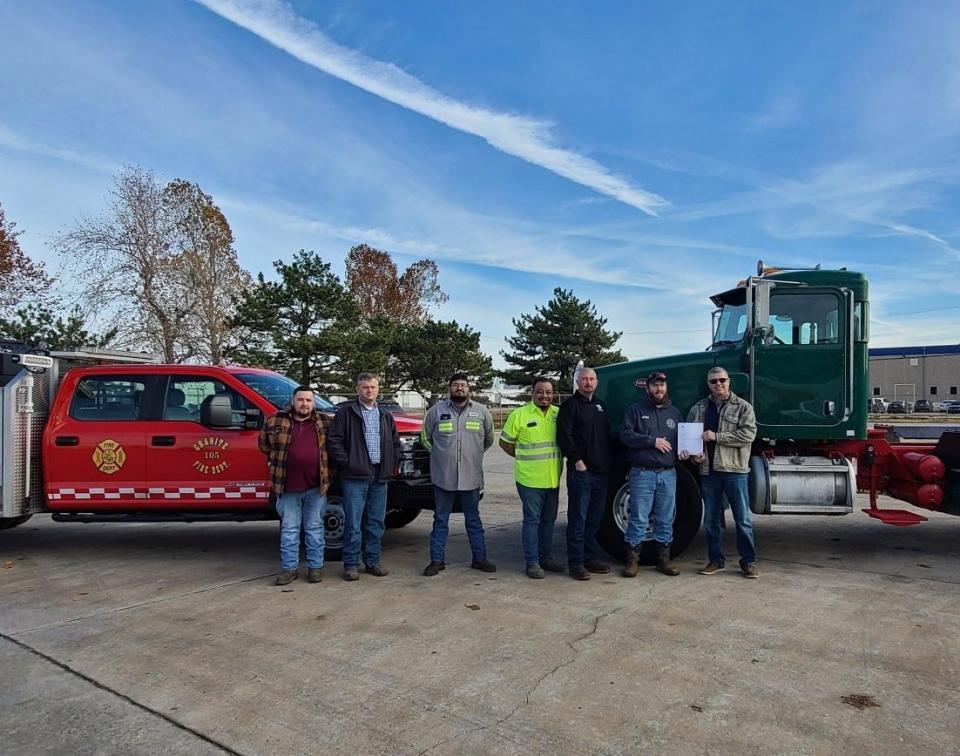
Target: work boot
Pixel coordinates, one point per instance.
(632, 567)
(552, 565)
(535, 571)
(434, 568)
(376, 570)
(597, 567)
(286, 577)
(712, 568)
(314, 575)
(579, 573)
(483, 565)
(749, 571)
(351, 574)
(664, 564)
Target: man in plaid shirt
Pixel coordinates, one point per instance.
(295, 442)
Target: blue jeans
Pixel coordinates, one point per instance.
(364, 506)
(301, 509)
(444, 502)
(539, 515)
(651, 491)
(586, 498)
(734, 485)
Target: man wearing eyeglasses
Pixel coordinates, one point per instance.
(729, 427)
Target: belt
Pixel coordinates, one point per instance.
(651, 469)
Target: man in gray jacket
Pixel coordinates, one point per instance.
(457, 432)
(729, 427)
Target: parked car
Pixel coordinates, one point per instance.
(923, 405)
(952, 406)
(897, 407)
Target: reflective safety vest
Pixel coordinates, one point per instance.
(533, 433)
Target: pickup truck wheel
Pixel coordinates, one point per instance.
(333, 521)
(397, 518)
(686, 524)
(11, 522)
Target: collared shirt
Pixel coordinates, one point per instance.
(457, 437)
(371, 431)
(533, 434)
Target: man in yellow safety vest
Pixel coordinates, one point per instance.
(530, 437)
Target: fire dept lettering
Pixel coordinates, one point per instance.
(109, 456)
(211, 461)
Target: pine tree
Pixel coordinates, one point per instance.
(558, 335)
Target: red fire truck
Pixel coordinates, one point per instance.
(97, 435)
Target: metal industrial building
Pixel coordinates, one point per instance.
(918, 372)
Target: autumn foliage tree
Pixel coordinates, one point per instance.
(381, 291)
(21, 279)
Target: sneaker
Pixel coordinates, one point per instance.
(376, 570)
(434, 568)
(535, 571)
(597, 567)
(315, 574)
(483, 565)
(712, 569)
(286, 577)
(579, 573)
(749, 571)
(552, 565)
(351, 573)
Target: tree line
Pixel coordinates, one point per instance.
(157, 271)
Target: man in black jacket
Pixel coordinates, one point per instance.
(584, 439)
(364, 444)
(649, 432)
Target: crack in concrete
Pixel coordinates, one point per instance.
(533, 689)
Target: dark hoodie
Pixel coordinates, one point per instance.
(643, 424)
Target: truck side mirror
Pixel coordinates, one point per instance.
(252, 418)
(216, 411)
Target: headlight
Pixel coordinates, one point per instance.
(406, 444)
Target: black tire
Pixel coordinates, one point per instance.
(686, 524)
(333, 521)
(11, 522)
(397, 518)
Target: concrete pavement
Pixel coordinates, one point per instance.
(126, 638)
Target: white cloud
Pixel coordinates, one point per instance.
(12, 141)
(520, 136)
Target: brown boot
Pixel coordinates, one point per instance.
(663, 560)
(632, 567)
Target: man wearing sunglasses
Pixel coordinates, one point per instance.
(729, 427)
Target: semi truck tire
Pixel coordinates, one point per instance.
(686, 524)
(11, 522)
(397, 518)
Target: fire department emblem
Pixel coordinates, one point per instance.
(109, 456)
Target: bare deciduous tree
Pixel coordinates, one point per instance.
(159, 263)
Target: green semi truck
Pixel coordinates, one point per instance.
(795, 344)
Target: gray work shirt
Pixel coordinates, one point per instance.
(457, 439)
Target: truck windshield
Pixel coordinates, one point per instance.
(277, 389)
(731, 325)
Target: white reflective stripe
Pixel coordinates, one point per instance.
(508, 438)
(539, 445)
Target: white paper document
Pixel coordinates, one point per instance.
(690, 438)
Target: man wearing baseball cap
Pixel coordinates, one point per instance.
(649, 432)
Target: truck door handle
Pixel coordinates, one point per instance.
(163, 440)
(829, 408)
(67, 441)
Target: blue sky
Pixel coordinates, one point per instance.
(644, 155)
